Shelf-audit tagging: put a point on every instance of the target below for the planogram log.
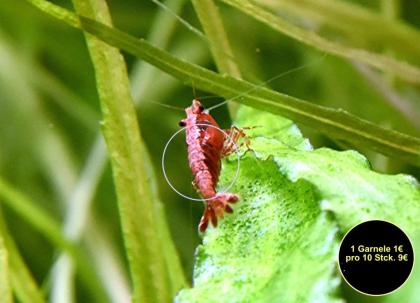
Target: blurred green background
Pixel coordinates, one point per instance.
(50, 116)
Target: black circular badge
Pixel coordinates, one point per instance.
(376, 257)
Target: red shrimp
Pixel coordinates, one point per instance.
(207, 145)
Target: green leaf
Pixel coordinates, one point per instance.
(277, 247)
(154, 265)
(348, 186)
(280, 245)
(335, 123)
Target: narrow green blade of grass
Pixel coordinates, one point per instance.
(213, 27)
(34, 215)
(79, 203)
(24, 285)
(335, 123)
(401, 69)
(212, 23)
(155, 277)
(143, 76)
(5, 291)
(63, 97)
(47, 226)
(57, 11)
(354, 19)
(37, 75)
(391, 11)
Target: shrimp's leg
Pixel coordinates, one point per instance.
(235, 133)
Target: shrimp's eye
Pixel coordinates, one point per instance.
(201, 108)
(182, 123)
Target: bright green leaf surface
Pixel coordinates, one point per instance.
(347, 185)
(281, 243)
(260, 254)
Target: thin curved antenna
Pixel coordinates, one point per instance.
(165, 105)
(290, 71)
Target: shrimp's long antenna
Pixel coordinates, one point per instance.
(290, 71)
(181, 20)
(165, 105)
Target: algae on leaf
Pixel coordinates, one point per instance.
(277, 244)
(281, 243)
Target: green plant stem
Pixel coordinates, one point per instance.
(34, 215)
(48, 227)
(50, 147)
(75, 219)
(155, 278)
(403, 70)
(212, 23)
(106, 260)
(389, 95)
(24, 285)
(335, 123)
(390, 11)
(78, 206)
(74, 106)
(143, 74)
(354, 20)
(43, 80)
